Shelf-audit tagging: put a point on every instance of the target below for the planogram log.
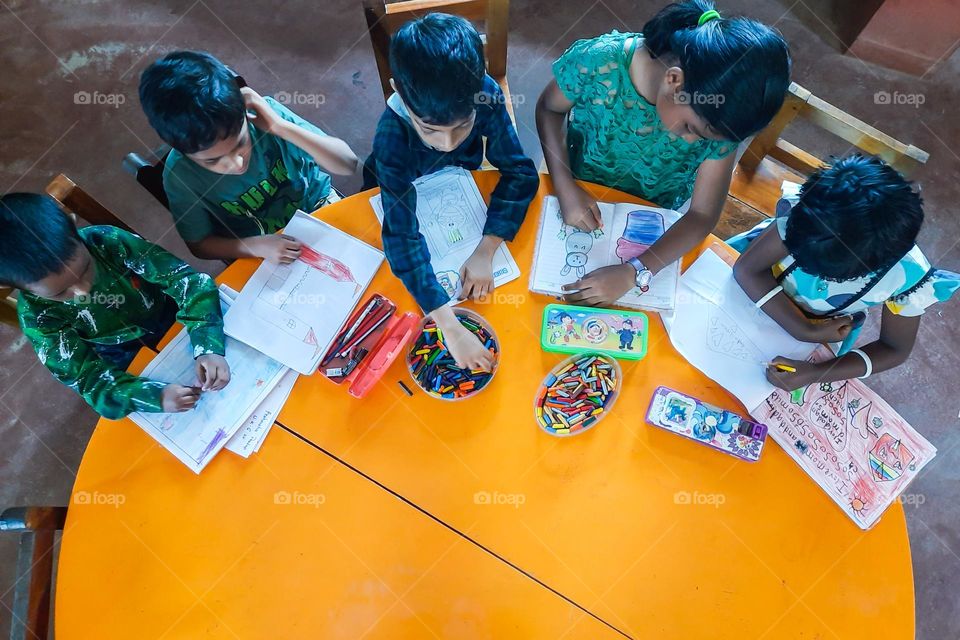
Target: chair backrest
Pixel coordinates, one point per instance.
(149, 174)
(34, 579)
(383, 19)
(78, 205)
(800, 103)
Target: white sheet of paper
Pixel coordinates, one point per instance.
(451, 213)
(719, 330)
(292, 312)
(565, 254)
(254, 431)
(196, 436)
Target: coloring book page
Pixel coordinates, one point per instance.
(718, 329)
(849, 440)
(451, 214)
(196, 436)
(292, 312)
(564, 254)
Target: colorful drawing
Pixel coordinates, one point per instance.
(570, 328)
(864, 468)
(450, 281)
(578, 244)
(627, 334)
(327, 265)
(595, 330)
(642, 229)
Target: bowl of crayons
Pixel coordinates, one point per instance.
(432, 367)
(577, 394)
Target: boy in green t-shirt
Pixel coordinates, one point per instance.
(91, 298)
(241, 164)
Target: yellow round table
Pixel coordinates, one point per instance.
(397, 516)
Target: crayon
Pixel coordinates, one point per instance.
(575, 397)
(434, 369)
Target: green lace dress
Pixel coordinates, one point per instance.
(614, 136)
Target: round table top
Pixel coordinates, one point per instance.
(397, 516)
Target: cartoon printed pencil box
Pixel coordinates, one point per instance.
(713, 426)
(571, 329)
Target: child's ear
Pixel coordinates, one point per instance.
(673, 79)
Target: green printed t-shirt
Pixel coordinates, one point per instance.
(280, 178)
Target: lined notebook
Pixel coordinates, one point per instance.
(564, 254)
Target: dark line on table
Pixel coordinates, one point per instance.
(451, 528)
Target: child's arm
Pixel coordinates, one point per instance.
(332, 154)
(752, 272)
(275, 248)
(898, 334)
(111, 392)
(578, 207)
(197, 300)
(606, 284)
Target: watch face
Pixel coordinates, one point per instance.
(643, 279)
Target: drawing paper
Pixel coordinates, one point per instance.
(719, 330)
(254, 431)
(451, 214)
(564, 254)
(292, 312)
(849, 440)
(196, 436)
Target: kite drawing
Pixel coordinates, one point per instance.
(725, 337)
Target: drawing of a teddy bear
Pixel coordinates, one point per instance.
(578, 245)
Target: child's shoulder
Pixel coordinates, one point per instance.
(605, 46)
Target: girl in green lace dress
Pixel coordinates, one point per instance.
(658, 114)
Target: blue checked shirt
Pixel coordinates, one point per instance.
(399, 157)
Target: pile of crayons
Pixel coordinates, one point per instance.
(435, 370)
(575, 397)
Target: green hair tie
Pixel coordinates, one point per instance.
(707, 16)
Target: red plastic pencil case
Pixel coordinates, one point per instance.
(382, 345)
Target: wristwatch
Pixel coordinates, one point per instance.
(642, 279)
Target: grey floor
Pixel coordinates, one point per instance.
(53, 50)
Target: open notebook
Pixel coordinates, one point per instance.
(237, 417)
(842, 434)
(292, 312)
(451, 214)
(565, 254)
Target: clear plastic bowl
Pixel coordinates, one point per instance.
(611, 397)
(459, 312)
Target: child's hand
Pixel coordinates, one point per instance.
(176, 398)
(263, 117)
(579, 209)
(467, 349)
(476, 274)
(276, 248)
(828, 330)
(602, 286)
(806, 374)
(213, 372)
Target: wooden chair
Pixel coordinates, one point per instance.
(769, 159)
(385, 18)
(149, 173)
(34, 578)
(80, 206)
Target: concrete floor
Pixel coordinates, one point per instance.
(51, 50)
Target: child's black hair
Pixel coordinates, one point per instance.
(854, 218)
(192, 100)
(438, 67)
(38, 239)
(736, 71)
